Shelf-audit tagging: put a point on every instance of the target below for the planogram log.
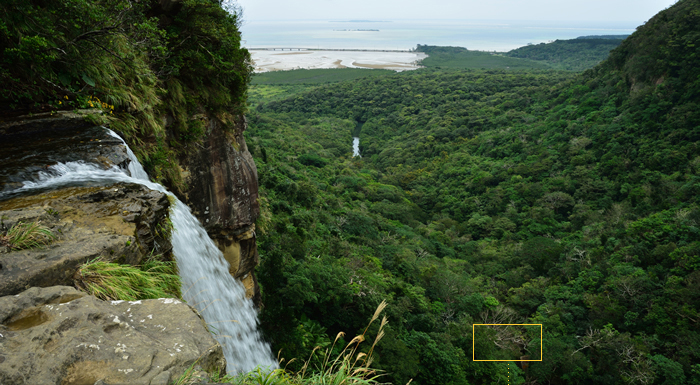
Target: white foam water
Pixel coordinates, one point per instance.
(135, 168)
(356, 147)
(206, 282)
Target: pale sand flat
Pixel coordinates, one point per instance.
(265, 61)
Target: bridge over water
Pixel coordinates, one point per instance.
(287, 49)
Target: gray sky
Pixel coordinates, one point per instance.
(636, 11)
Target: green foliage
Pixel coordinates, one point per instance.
(458, 57)
(492, 197)
(206, 59)
(260, 377)
(351, 365)
(26, 235)
(165, 228)
(571, 55)
(61, 54)
(316, 76)
(336, 365)
(111, 281)
(312, 159)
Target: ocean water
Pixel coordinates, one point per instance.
(406, 34)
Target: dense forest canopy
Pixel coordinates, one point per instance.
(572, 55)
(462, 58)
(493, 196)
(577, 55)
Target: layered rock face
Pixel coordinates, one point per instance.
(59, 335)
(223, 194)
(221, 175)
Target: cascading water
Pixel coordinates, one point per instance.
(356, 147)
(206, 282)
(135, 168)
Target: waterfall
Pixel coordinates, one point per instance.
(208, 286)
(206, 282)
(135, 168)
(356, 147)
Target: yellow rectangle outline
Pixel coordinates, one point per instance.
(474, 339)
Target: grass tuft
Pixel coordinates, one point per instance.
(350, 366)
(111, 281)
(26, 235)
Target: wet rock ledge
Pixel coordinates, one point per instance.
(31, 144)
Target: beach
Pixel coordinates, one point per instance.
(266, 60)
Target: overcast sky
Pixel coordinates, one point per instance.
(635, 11)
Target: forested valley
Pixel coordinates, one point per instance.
(491, 196)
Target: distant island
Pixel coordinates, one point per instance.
(357, 30)
(360, 21)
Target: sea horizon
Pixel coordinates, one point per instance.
(406, 34)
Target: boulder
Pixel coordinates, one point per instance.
(58, 335)
(120, 223)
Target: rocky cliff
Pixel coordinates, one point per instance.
(220, 178)
(121, 223)
(170, 77)
(222, 190)
(114, 222)
(56, 334)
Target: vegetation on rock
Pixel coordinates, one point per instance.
(26, 235)
(137, 61)
(112, 281)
